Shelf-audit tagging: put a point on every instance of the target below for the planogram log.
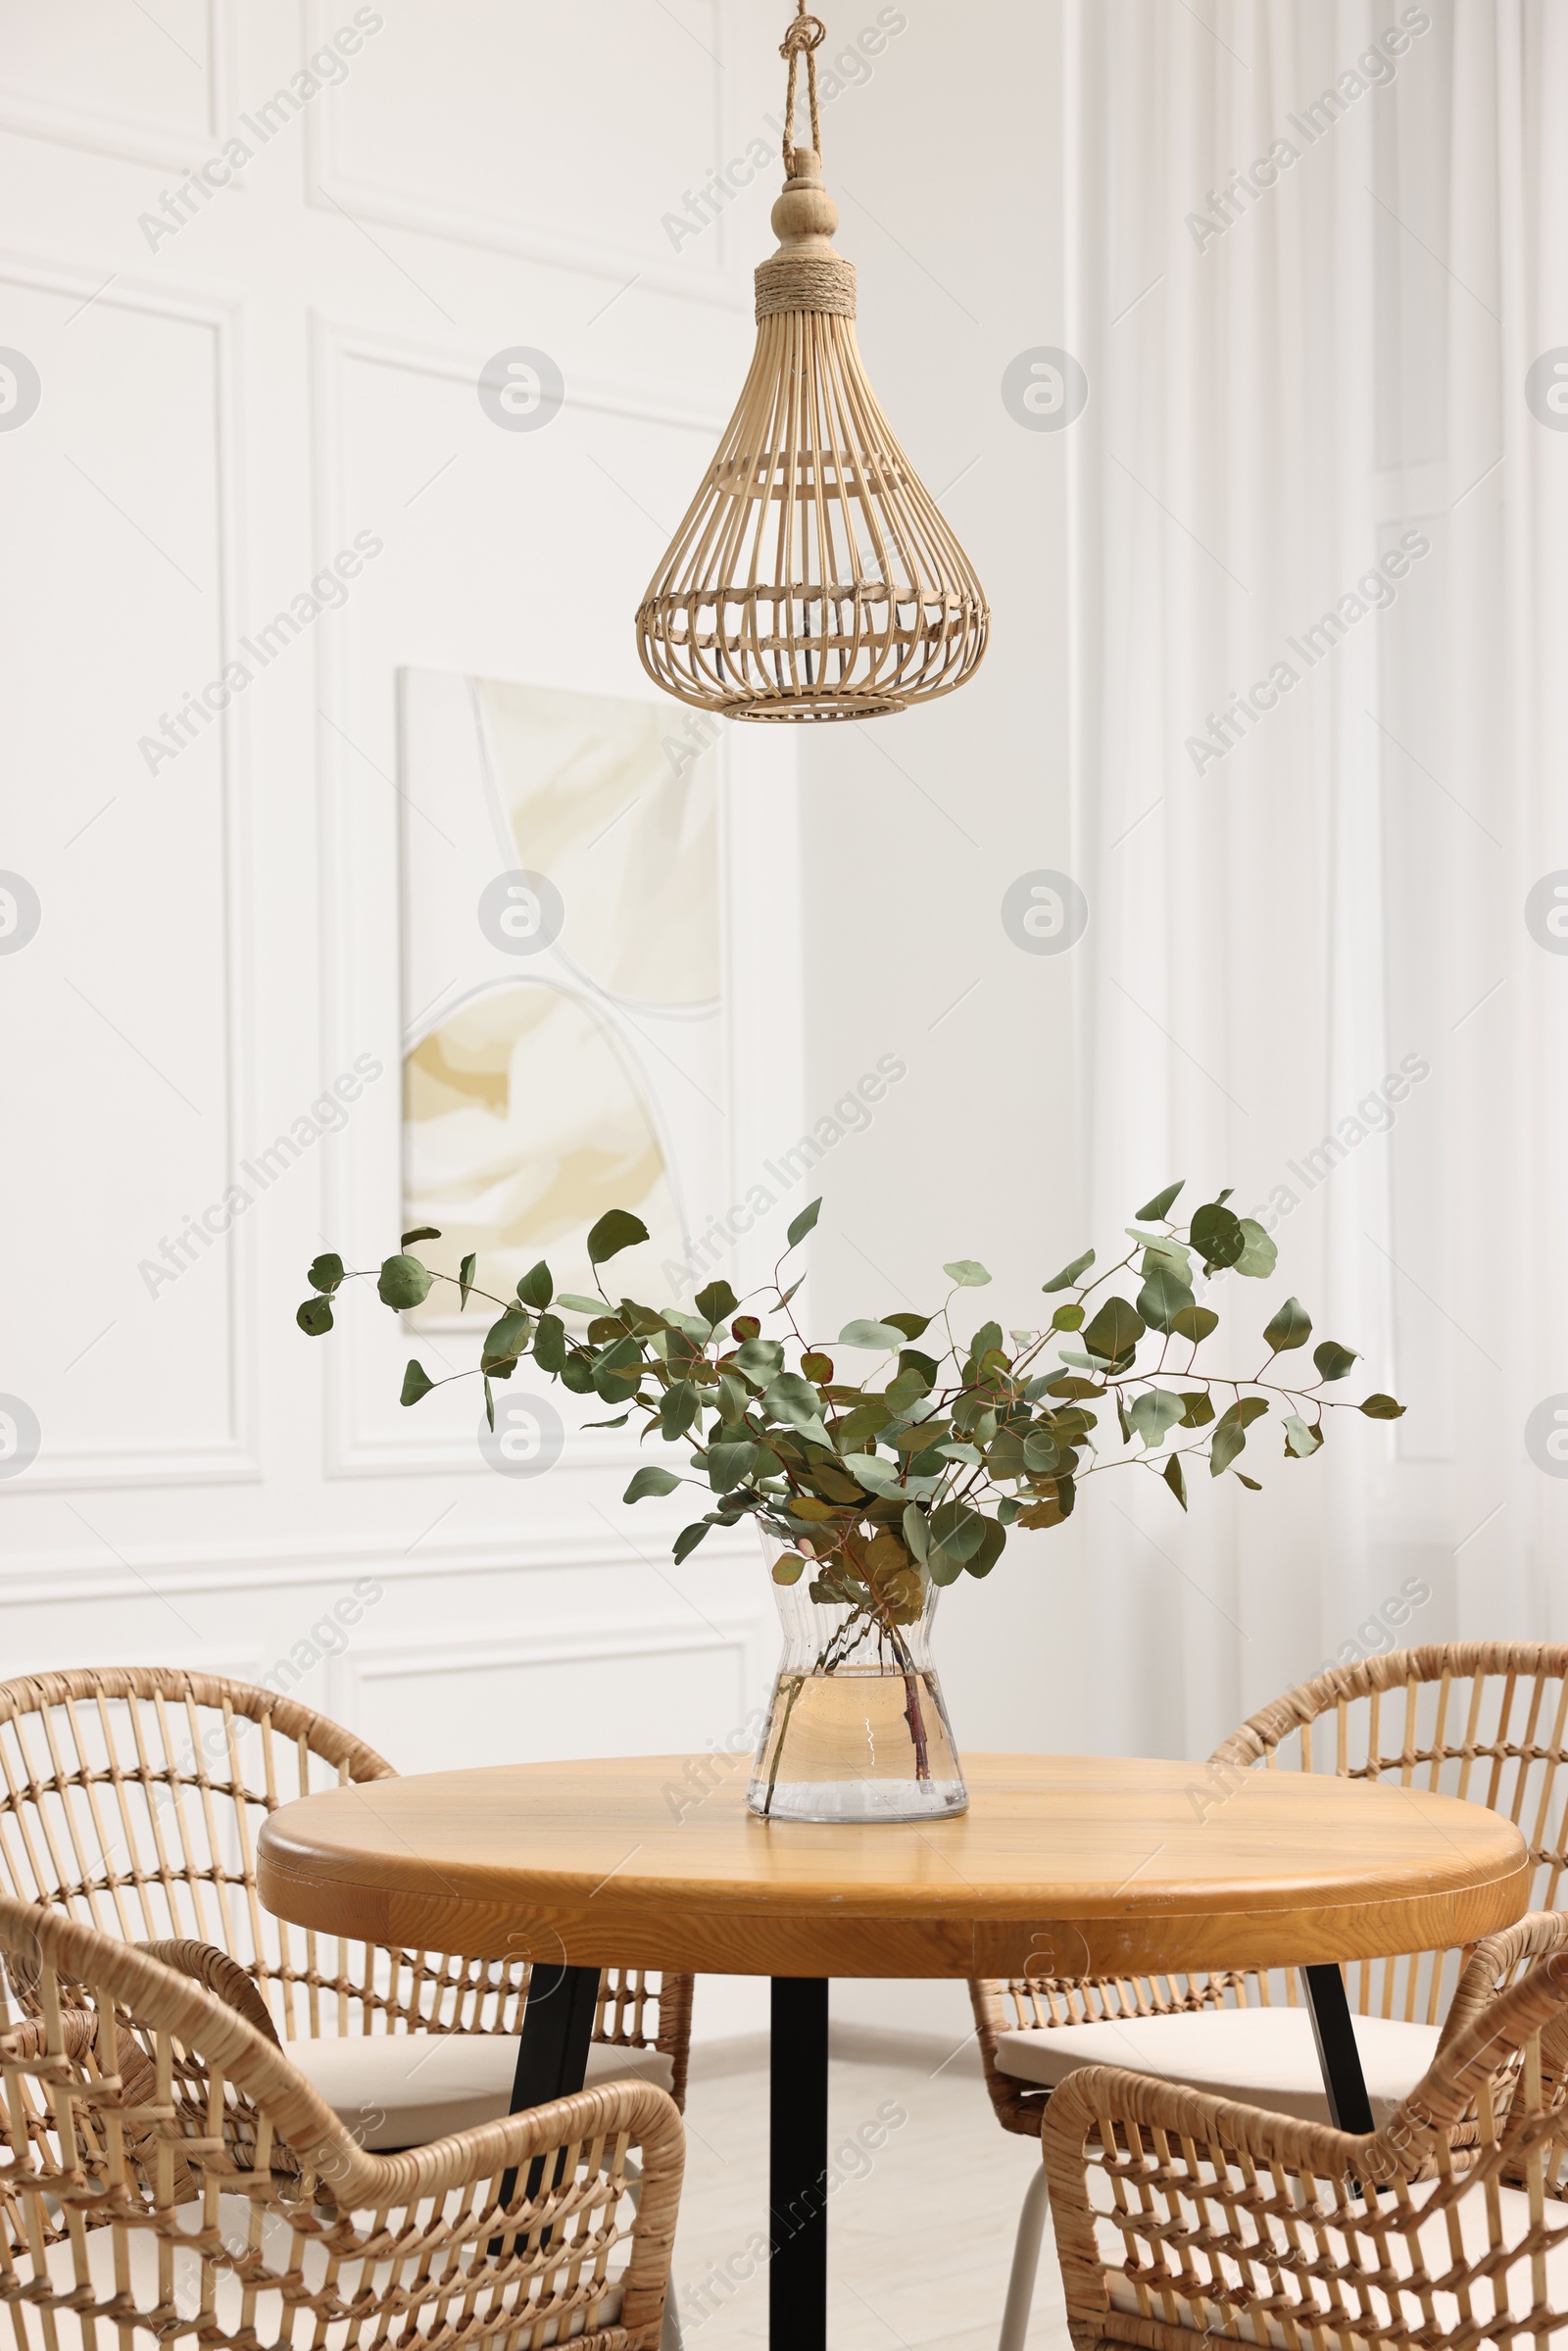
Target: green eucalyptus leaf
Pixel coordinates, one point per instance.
(1175, 1479)
(802, 1224)
(1115, 1331)
(1301, 1439)
(416, 1382)
(315, 1317)
(1067, 1318)
(1224, 1446)
(760, 1359)
(1291, 1327)
(617, 1230)
(577, 1301)
(650, 1480)
(577, 1377)
(1217, 1236)
(466, 1274)
(793, 1400)
(423, 1232)
(688, 1539)
(989, 1550)
(1195, 1323)
(1333, 1361)
(536, 1287)
(506, 1339)
(1154, 1413)
(913, 1326)
(1251, 1483)
(942, 1566)
(907, 1387)
(1260, 1255)
(877, 1338)
(728, 1463)
(882, 1477)
(957, 1529)
(1160, 1250)
(1163, 1296)
(325, 1273)
(967, 1272)
(1070, 1273)
(1008, 1510)
(1382, 1408)
(717, 1302)
(403, 1282)
(972, 1460)
(1004, 1456)
(1161, 1204)
(1040, 1452)
(789, 1566)
(916, 1532)
(1197, 1408)
(677, 1409)
(490, 1406)
(550, 1344)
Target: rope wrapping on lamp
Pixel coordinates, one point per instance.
(813, 575)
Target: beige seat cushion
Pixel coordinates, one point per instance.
(404, 2089)
(1432, 2316)
(600, 2306)
(1259, 2056)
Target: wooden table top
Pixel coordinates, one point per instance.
(1063, 1864)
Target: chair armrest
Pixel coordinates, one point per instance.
(1495, 1959)
(636, 2112)
(215, 1972)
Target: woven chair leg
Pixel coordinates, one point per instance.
(1025, 2263)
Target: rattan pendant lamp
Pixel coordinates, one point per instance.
(813, 575)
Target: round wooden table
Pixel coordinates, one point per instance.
(1063, 1864)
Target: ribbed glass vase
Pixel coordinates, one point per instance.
(856, 1729)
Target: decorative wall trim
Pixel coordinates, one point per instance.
(349, 1450)
(564, 1642)
(145, 1572)
(129, 138)
(235, 1458)
(721, 287)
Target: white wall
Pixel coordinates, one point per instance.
(223, 406)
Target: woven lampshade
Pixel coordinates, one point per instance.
(813, 575)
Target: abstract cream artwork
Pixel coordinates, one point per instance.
(562, 957)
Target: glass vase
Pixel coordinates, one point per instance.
(856, 1729)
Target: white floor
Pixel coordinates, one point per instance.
(919, 2233)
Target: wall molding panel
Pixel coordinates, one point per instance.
(64, 1467)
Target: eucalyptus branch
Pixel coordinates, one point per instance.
(831, 1465)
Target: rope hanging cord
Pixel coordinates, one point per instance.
(806, 273)
(805, 36)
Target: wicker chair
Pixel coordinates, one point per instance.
(167, 2173)
(132, 1798)
(1183, 2220)
(1483, 1720)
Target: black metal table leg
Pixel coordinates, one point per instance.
(796, 2280)
(1349, 2108)
(557, 2025)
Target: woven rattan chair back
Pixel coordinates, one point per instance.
(1485, 1721)
(131, 1800)
(1481, 1720)
(165, 2171)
